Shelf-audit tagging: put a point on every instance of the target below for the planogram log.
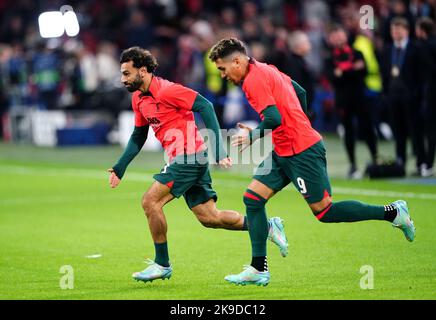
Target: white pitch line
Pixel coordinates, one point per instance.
(379, 193)
(341, 190)
(78, 173)
(228, 183)
(63, 199)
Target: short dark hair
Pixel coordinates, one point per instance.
(140, 58)
(426, 24)
(400, 21)
(226, 47)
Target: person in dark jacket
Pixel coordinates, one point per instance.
(298, 69)
(346, 70)
(402, 84)
(425, 32)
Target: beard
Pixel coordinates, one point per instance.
(135, 85)
(235, 82)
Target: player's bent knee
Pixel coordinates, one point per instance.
(145, 202)
(252, 200)
(149, 205)
(322, 215)
(321, 208)
(148, 209)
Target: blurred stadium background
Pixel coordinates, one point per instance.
(65, 118)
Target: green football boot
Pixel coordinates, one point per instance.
(249, 276)
(403, 221)
(277, 235)
(153, 272)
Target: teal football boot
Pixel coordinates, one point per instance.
(249, 276)
(277, 235)
(403, 221)
(153, 272)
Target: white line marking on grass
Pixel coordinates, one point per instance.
(78, 173)
(228, 183)
(64, 199)
(342, 190)
(382, 193)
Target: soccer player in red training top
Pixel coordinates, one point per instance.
(168, 108)
(298, 156)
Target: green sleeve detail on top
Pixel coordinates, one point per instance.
(272, 119)
(301, 94)
(135, 144)
(207, 112)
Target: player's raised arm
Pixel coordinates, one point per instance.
(272, 119)
(207, 112)
(135, 144)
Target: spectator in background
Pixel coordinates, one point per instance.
(425, 32)
(250, 31)
(298, 69)
(419, 8)
(14, 31)
(3, 85)
(89, 76)
(215, 87)
(139, 30)
(258, 51)
(279, 53)
(109, 96)
(432, 4)
(17, 75)
(268, 31)
(363, 41)
(397, 8)
(403, 85)
(250, 22)
(316, 18)
(107, 64)
(346, 70)
(228, 18)
(46, 71)
(250, 10)
(189, 66)
(72, 77)
(164, 27)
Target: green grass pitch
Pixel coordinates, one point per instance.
(57, 209)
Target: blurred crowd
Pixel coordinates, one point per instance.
(344, 57)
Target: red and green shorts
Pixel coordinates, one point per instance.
(307, 171)
(188, 175)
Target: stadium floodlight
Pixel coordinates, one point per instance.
(71, 24)
(53, 24)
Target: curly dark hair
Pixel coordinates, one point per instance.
(226, 47)
(140, 58)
